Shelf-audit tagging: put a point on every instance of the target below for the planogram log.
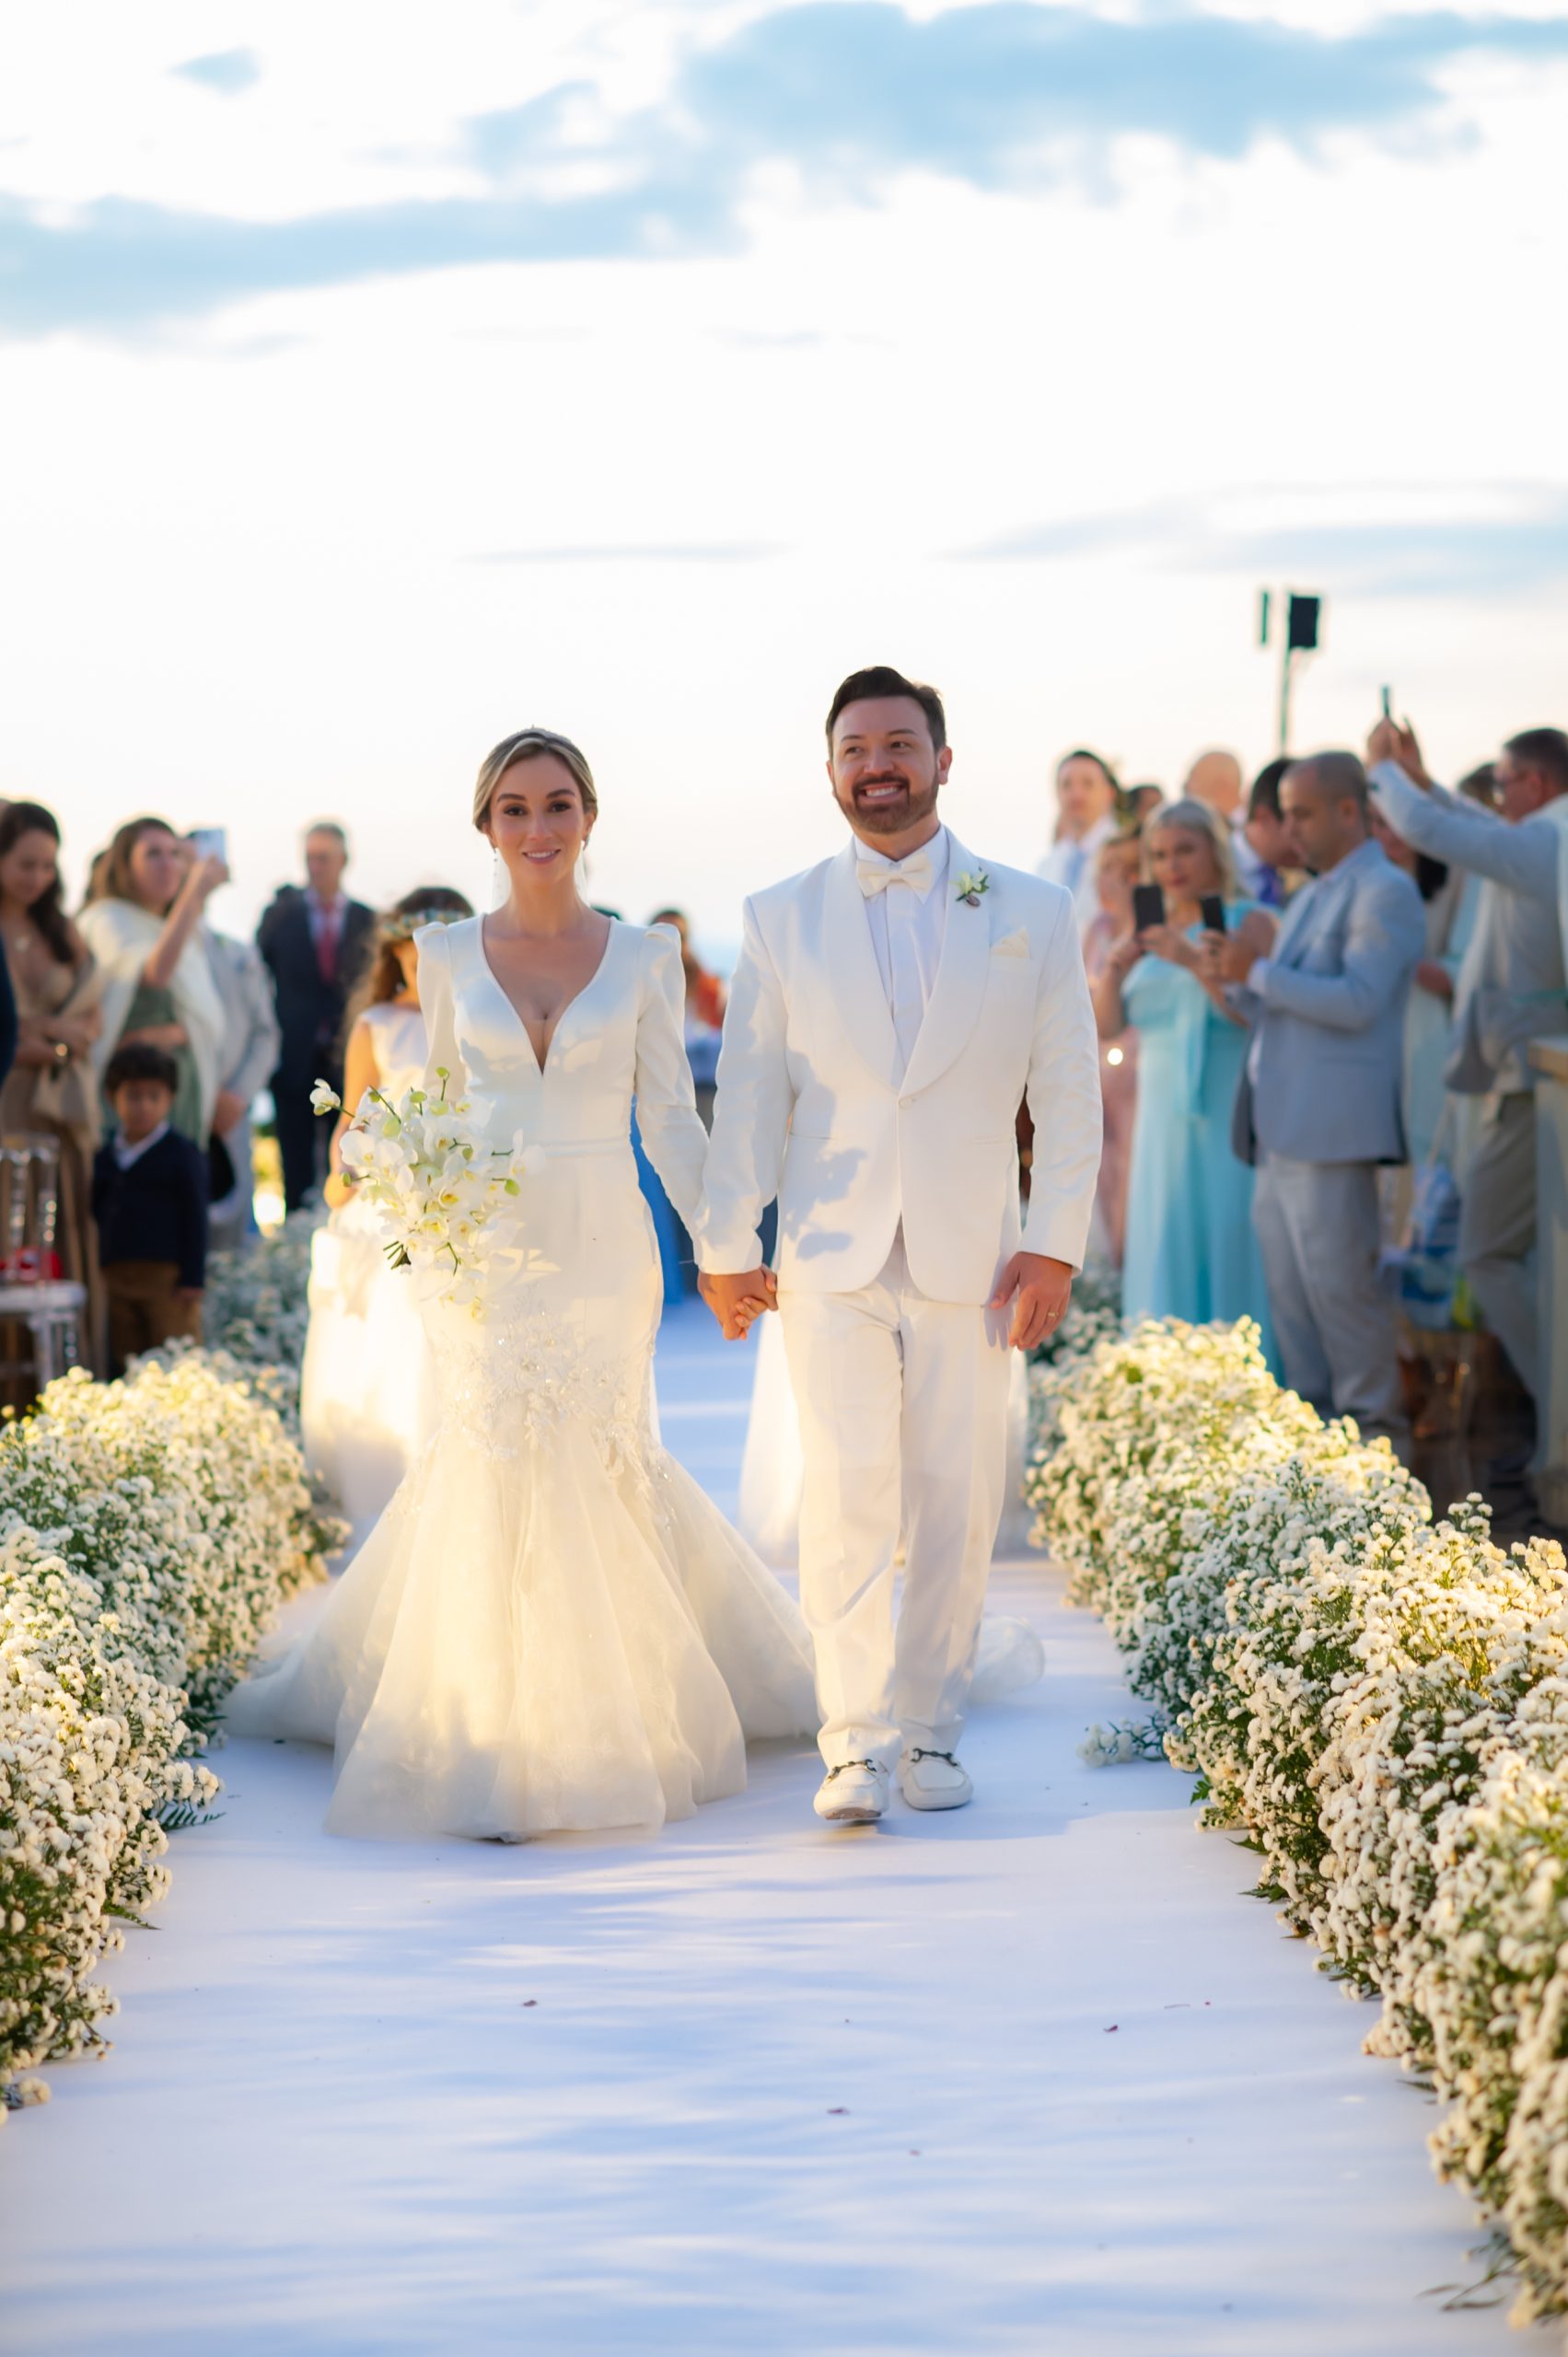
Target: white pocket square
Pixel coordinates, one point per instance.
(1012, 945)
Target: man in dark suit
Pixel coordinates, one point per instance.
(316, 944)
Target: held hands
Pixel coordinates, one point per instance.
(739, 1301)
(1040, 1290)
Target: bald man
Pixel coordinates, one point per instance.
(1216, 778)
(1318, 1108)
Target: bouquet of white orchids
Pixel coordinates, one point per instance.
(437, 1179)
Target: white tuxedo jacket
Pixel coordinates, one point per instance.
(815, 1105)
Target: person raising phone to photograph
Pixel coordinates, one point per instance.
(1189, 1251)
(1510, 989)
(144, 924)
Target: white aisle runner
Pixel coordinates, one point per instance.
(1032, 2078)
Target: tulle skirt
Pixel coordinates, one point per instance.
(551, 1627)
(366, 1397)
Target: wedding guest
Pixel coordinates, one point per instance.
(50, 1091)
(368, 1382)
(144, 929)
(1215, 779)
(1264, 831)
(248, 1058)
(1116, 869)
(705, 1013)
(1463, 1115)
(1087, 802)
(1318, 1107)
(704, 991)
(150, 1202)
(1143, 801)
(315, 940)
(1429, 1016)
(1510, 985)
(1190, 1251)
(8, 1023)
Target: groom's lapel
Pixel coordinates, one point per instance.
(962, 973)
(853, 972)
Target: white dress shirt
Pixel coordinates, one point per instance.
(126, 1154)
(908, 921)
(323, 915)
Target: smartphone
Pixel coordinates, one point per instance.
(1149, 906)
(1211, 908)
(211, 842)
(1388, 703)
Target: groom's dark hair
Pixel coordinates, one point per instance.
(881, 680)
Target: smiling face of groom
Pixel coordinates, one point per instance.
(887, 769)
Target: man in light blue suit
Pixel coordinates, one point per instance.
(1511, 988)
(1318, 1106)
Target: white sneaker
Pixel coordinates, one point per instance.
(855, 1793)
(934, 1779)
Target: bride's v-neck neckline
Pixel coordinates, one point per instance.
(541, 1063)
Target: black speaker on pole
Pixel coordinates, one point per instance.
(1301, 624)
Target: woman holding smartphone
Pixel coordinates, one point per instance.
(143, 926)
(1190, 1250)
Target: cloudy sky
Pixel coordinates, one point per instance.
(376, 380)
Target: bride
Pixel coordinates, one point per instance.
(551, 1627)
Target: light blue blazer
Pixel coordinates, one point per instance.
(1323, 1080)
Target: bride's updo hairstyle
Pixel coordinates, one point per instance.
(526, 744)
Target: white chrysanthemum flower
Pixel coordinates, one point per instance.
(1379, 1703)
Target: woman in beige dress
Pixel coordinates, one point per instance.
(50, 1092)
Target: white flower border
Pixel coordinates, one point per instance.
(149, 1530)
(1378, 1705)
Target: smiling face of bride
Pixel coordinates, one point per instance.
(538, 817)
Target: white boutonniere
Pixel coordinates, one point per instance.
(969, 888)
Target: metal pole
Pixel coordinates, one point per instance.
(1284, 693)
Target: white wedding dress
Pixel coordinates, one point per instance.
(366, 1390)
(551, 1627)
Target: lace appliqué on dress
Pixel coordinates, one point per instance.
(512, 1386)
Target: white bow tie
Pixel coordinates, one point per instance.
(876, 876)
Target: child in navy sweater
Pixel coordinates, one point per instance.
(150, 1202)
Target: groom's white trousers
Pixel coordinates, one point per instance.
(904, 1423)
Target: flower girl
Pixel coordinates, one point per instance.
(365, 1394)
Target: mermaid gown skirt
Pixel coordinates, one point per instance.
(549, 1628)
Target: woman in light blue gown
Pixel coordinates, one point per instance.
(1190, 1251)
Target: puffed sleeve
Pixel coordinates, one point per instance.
(671, 1127)
(434, 953)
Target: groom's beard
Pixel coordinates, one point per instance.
(898, 813)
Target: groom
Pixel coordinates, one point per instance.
(890, 1009)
